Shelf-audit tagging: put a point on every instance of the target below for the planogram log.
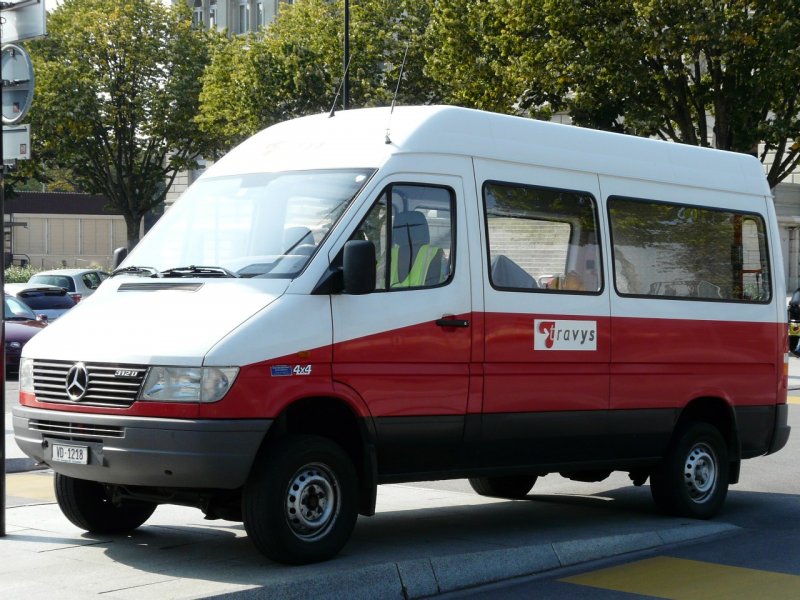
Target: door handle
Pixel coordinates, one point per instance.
(452, 322)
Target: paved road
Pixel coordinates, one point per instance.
(759, 559)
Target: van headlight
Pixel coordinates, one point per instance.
(26, 375)
(188, 384)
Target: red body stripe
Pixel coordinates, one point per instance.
(430, 370)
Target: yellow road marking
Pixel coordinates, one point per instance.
(33, 485)
(793, 399)
(680, 579)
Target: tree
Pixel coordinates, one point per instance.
(717, 73)
(294, 66)
(117, 88)
(481, 52)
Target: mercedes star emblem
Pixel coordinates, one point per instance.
(77, 381)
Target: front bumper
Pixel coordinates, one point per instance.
(144, 451)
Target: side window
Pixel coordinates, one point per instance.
(91, 280)
(679, 251)
(541, 239)
(412, 229)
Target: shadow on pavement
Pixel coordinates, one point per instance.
(219, 551)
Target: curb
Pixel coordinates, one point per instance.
(22, 465)
(423, 578)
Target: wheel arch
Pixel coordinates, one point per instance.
(336, 420)
(717, 412)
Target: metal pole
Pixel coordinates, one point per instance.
(3, 329)
(346, 83)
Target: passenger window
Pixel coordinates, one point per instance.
(541, 239)
(688, 252)
(412, 229)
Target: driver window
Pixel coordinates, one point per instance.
(412, 229)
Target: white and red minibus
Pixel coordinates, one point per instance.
(422, 294)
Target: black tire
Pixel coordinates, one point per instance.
(300, 503)
(86, 505)
(503, 487)
(692, 481)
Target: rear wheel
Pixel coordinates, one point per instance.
(87, 505)
(692, 481)
(503, 487)
(300, 503)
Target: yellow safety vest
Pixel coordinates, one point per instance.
(419, 270)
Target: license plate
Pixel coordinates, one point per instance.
(77, 455)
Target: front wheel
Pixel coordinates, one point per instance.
(87, 505)
(692, 480)
(503, 487)
(300, 503)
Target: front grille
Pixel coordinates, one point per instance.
(108, 384)
(75, 431)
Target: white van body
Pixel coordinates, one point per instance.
(544, 298)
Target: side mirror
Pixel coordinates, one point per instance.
(42, 319)
(359, 267)
(120, 254)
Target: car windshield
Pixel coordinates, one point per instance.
(257, 225)
(17, 311)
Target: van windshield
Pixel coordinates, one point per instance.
(256, 225)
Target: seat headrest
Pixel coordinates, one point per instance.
(410, 227)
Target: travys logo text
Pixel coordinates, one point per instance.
(560, 334)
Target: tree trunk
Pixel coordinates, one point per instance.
(133, 224)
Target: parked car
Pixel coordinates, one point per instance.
(793, 314)
(21, 324)
(80, 283)
(49, 301)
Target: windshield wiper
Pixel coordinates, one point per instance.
(149, 271)
(195, 271)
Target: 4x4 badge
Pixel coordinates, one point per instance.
(77, 381)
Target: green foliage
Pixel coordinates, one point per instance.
(294, 67)
(17, 274)
(722, 73)
(482, 53)
(117, 89)
(50, 180)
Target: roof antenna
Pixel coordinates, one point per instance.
(339, 91)
(396, 90)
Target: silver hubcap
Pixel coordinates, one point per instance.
(700, 472)
(311, 501)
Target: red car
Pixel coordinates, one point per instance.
(21, 324)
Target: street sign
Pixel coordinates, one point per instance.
(17, 74)
(22, 20)
(16, 143)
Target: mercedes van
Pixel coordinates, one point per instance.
(426, 293)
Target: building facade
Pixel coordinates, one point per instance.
(237, 16)
(51, 230)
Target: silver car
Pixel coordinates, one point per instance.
(80, 283)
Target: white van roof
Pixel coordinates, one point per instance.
(358, 138)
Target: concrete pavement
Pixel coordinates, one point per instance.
(422, 542)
